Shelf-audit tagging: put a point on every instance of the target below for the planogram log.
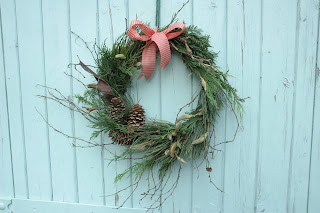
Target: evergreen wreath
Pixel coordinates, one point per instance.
(109, 108)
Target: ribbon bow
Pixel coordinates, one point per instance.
(157, 39)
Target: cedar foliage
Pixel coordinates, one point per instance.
(154, 136)
(158, 138)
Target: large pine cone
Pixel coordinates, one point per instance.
(136, 116)
(117, 109)
(120, 137)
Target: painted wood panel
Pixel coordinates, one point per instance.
(174, 97)
(30, 206)
(32, 74)
(14, 97)
(116, 18)
(277, 95)
(314, 185)
(84, 32)
(57, 39)
(270, 47)
(109, 171)
(6, 181)
(143, 91)
(216, 26)
(303, 103)
(243, 44)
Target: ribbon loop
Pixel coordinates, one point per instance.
(157, 39)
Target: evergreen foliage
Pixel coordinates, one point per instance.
(158, 138)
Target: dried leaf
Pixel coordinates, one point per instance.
(94, 86)
(183, 117)
(141, 147)
(138, 64)
(173, 148)
(188, 48)
(204, 84)
(138, 147)
(167, 152)
(116, 199)
(104, 86)
(178, 126)
(201, 139)
(180, 159)
(121, 56)
(86, 68)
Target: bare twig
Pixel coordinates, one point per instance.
(174, 17)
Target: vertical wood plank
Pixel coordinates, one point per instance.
(112, 24)
(13, 80)
(90, 178)
(314, 186)
(56, 51)
(145, 92)
(243, 62)
(314, 176)
(101, 137)
(119, 10)
(176, 90)
(304, 83)
(105, 23)
(113, 16)
(214, 25)
(278, 62)
(29, 19)
(6, 179)
(109, 170)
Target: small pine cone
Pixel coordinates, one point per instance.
(120, 137)
(117, 109)
(136, 116)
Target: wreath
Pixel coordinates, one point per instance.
(109, 108)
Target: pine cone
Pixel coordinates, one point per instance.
(136, 116)
(117, 109)
(120, 137)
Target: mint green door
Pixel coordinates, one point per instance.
(269, 46)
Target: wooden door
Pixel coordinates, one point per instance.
(269, 46)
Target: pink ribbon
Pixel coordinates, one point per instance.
(157, 39)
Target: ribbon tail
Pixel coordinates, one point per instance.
(164, 48)
(148, 60)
